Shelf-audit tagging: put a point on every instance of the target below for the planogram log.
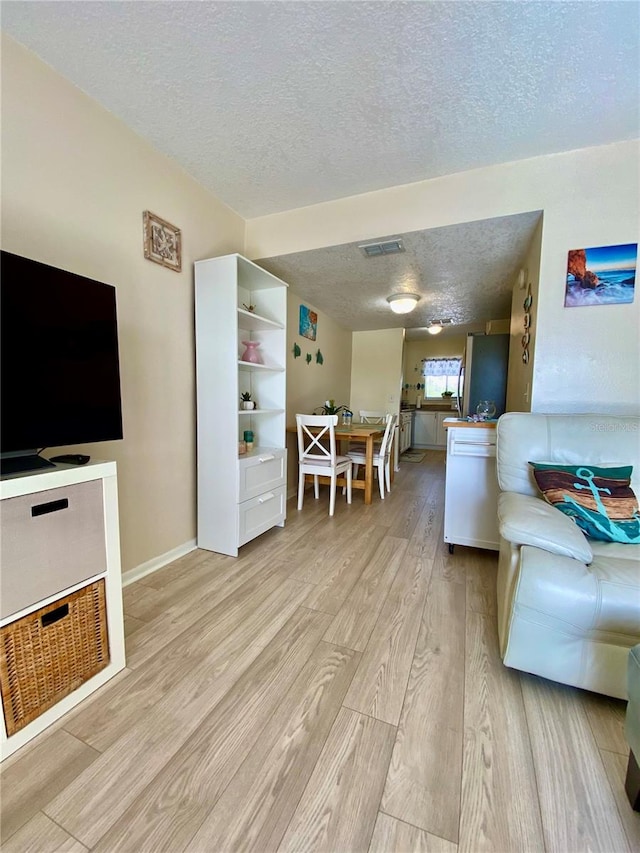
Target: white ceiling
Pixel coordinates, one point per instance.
(277, 105)
(463, 272)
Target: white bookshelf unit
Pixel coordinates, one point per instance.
(60, 542)
(239, 497)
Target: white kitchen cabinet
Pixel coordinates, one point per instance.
(425, 426)
(471, 487)
(428, 429)
(61, 589)
(239, 497)
(441, 432)
(405, 431)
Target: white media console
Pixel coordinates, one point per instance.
(59, 545)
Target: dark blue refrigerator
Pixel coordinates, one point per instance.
(483, 374)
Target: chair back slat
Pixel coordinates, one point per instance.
(385, 444)
(312, 430)
(368, 416)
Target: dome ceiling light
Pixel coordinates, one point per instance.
(402, 303)
(436, 326)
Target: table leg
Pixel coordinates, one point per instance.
(368, 471)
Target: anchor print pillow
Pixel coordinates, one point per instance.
(599, 500)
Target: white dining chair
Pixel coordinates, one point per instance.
(381, 456)
(368, 416)
(317, 459)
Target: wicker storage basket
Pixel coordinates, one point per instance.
(49, 653)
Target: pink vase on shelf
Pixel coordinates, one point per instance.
(251, 353)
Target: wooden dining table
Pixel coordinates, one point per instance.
(367, 433)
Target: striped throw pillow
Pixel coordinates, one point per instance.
(599, 500)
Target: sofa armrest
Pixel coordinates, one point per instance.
(526, 520)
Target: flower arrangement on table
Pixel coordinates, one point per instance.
(330, 408)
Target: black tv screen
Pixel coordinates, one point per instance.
(60, 375)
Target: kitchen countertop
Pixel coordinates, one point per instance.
(429, 407)
(463, 422)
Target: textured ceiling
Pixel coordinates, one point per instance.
(277, 105)
(465, 272)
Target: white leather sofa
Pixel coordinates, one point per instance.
(568, 606)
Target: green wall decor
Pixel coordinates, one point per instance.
(319, 358)
(308, 358)
(297, 352)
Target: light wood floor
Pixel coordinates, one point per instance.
(337, 687)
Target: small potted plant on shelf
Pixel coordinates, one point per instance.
(447, 394)
(247, 402)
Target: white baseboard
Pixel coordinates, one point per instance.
(156, 563)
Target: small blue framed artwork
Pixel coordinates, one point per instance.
(605, 275)
(308, 323)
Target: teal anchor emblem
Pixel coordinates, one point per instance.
(627, 532)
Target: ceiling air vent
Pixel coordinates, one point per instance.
(388, 247)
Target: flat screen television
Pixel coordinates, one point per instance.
(59, 366)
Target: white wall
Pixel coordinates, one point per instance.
(520, 374)
(376, 371)
(310, 384)
(586, 358)
(75, 182)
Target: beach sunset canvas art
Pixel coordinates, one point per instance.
(605, 275)
(308, 323)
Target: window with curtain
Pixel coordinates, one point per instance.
(440, 375)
